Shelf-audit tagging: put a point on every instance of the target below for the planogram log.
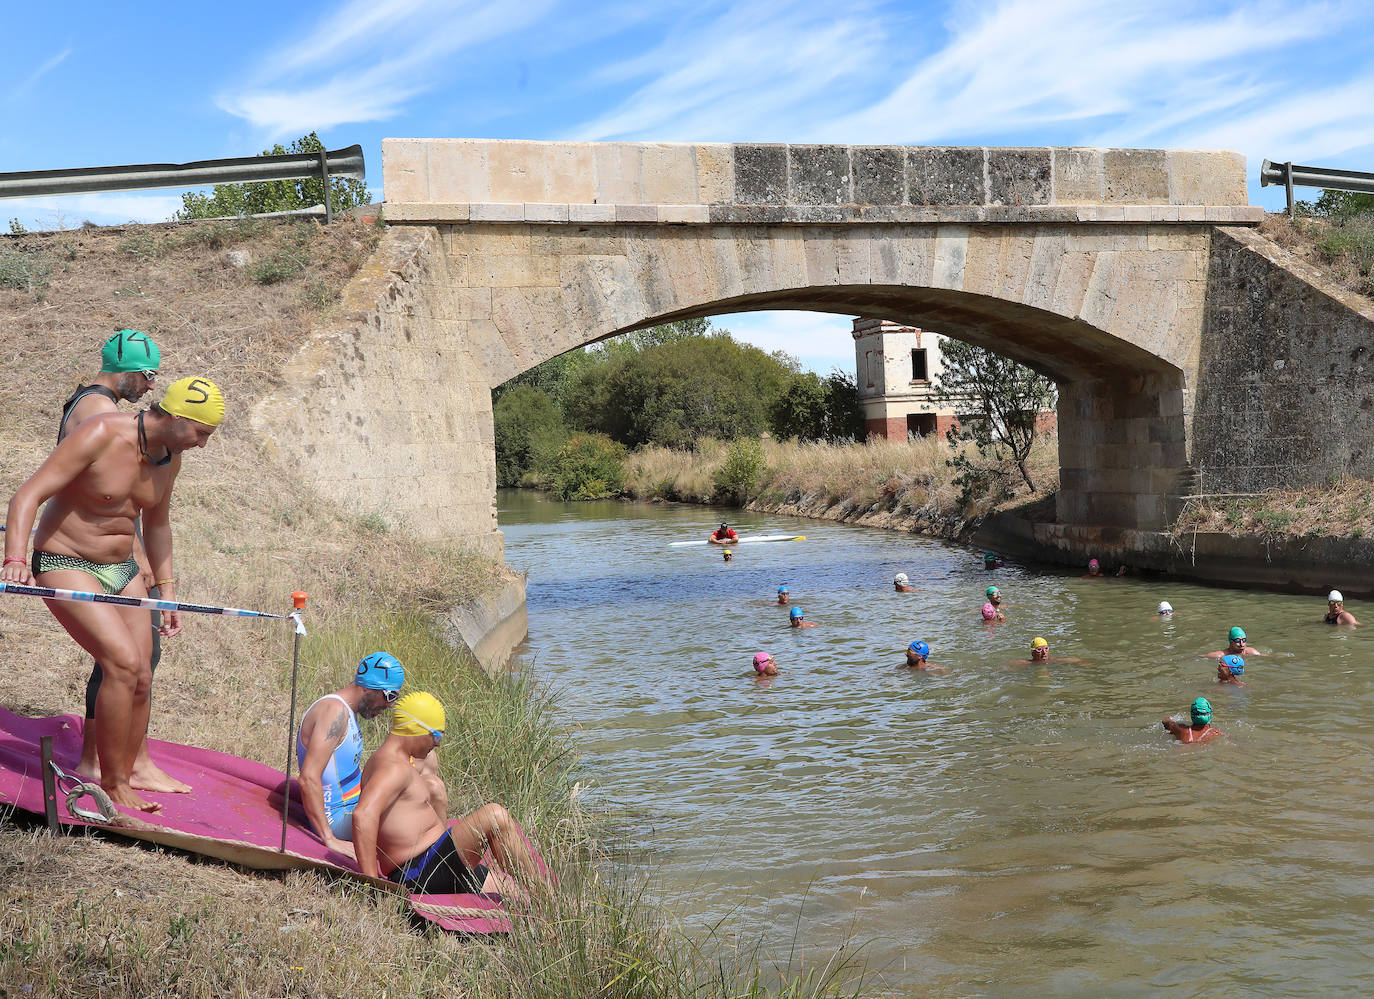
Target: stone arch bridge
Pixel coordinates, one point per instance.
(1191, 353)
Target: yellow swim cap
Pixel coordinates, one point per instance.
(1039, 643)
(196, 399)
(417, 713)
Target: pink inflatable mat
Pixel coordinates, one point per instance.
(233, 813)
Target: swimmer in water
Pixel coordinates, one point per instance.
(1201, 728)
(1094, 570)
(1336, 612)
(728, 555)
(991, 615)
(1165, 611)
(1230, 669)
(796, 617)
(901, 583)
(991, 561)
(994, 596)
(1237, 646)
(764, 664)
(723, 535)
(1040, 653)
(783, 596)
(916, 658)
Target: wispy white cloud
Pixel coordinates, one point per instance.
(749, 72)
(370, 60)
(24, 86)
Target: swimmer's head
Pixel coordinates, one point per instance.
(1334, 597)
(419, 713)
(782, 590)
(1165, 608)
(728, 555)
(724, 526)
(989, 612)
(1040, 649)
(1233, 665)
(1236, 635)
(127, 351)
(989, 556)
(900, 579)
(1201, 711)
(992, 591)
(795, 613)
(918, 649)
(764, 664)
(1094, 564)
(380, 671)
(197, 399)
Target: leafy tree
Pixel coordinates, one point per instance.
(1337, 204)
(739, 475)
(678, 392)
(813, 408)
(529, 430)
(589, 466)
(1005, 399)
(258, 197)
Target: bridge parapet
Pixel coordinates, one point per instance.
(479, 180)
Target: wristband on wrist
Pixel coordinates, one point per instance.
(160, 582)
(9, 560)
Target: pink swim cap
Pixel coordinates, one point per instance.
(989, 612)
(761, 660)
(1093, 563)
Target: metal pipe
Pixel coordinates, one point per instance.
(201, 173)
(1309, 176)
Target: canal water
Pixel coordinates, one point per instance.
(997, 829)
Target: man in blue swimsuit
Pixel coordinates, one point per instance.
(329, 748)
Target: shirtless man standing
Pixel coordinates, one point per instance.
(110, 471)
(398, 834)
(129, 361)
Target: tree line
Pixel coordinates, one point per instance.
(566, 423)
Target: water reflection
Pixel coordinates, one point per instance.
(990, 830)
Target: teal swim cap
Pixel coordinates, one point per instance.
(993, 591)
(1201, 711)
(129, 350)
(380, 671)
(1237, 633)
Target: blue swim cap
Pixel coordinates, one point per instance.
(1235, 664)
(380, 671)
(795, 612)
(920, 648)
(782, 589)
(1201, 710)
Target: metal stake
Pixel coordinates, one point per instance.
(298, 600)
(49, 783)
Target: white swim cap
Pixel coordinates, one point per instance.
(1334, 597)
(1165, 608)
(900, 579)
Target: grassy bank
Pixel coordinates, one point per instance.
(87, 915)
(905, 485)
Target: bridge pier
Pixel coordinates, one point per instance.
(1122, 451)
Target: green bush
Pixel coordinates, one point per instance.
(741, 471)
(529, 431)
(589, 466)
(23, 271)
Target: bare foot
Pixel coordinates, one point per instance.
(126, 797)
(148, 776)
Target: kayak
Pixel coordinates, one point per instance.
(743, 541)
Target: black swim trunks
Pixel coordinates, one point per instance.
(440, 871)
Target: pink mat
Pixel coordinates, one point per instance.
(233, 813)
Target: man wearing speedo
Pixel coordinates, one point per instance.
(110, 472)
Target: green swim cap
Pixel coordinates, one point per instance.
(1237, 633)
(129, 350)
(992, 590)
(1201, 711)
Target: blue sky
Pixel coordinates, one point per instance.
(99, 83)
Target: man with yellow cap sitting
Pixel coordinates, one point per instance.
(397, 833)
(111, 471)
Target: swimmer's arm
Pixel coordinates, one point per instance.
(327, 731)
(1173, 726)
(379, 794)
(68, 460)
(157, 541)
